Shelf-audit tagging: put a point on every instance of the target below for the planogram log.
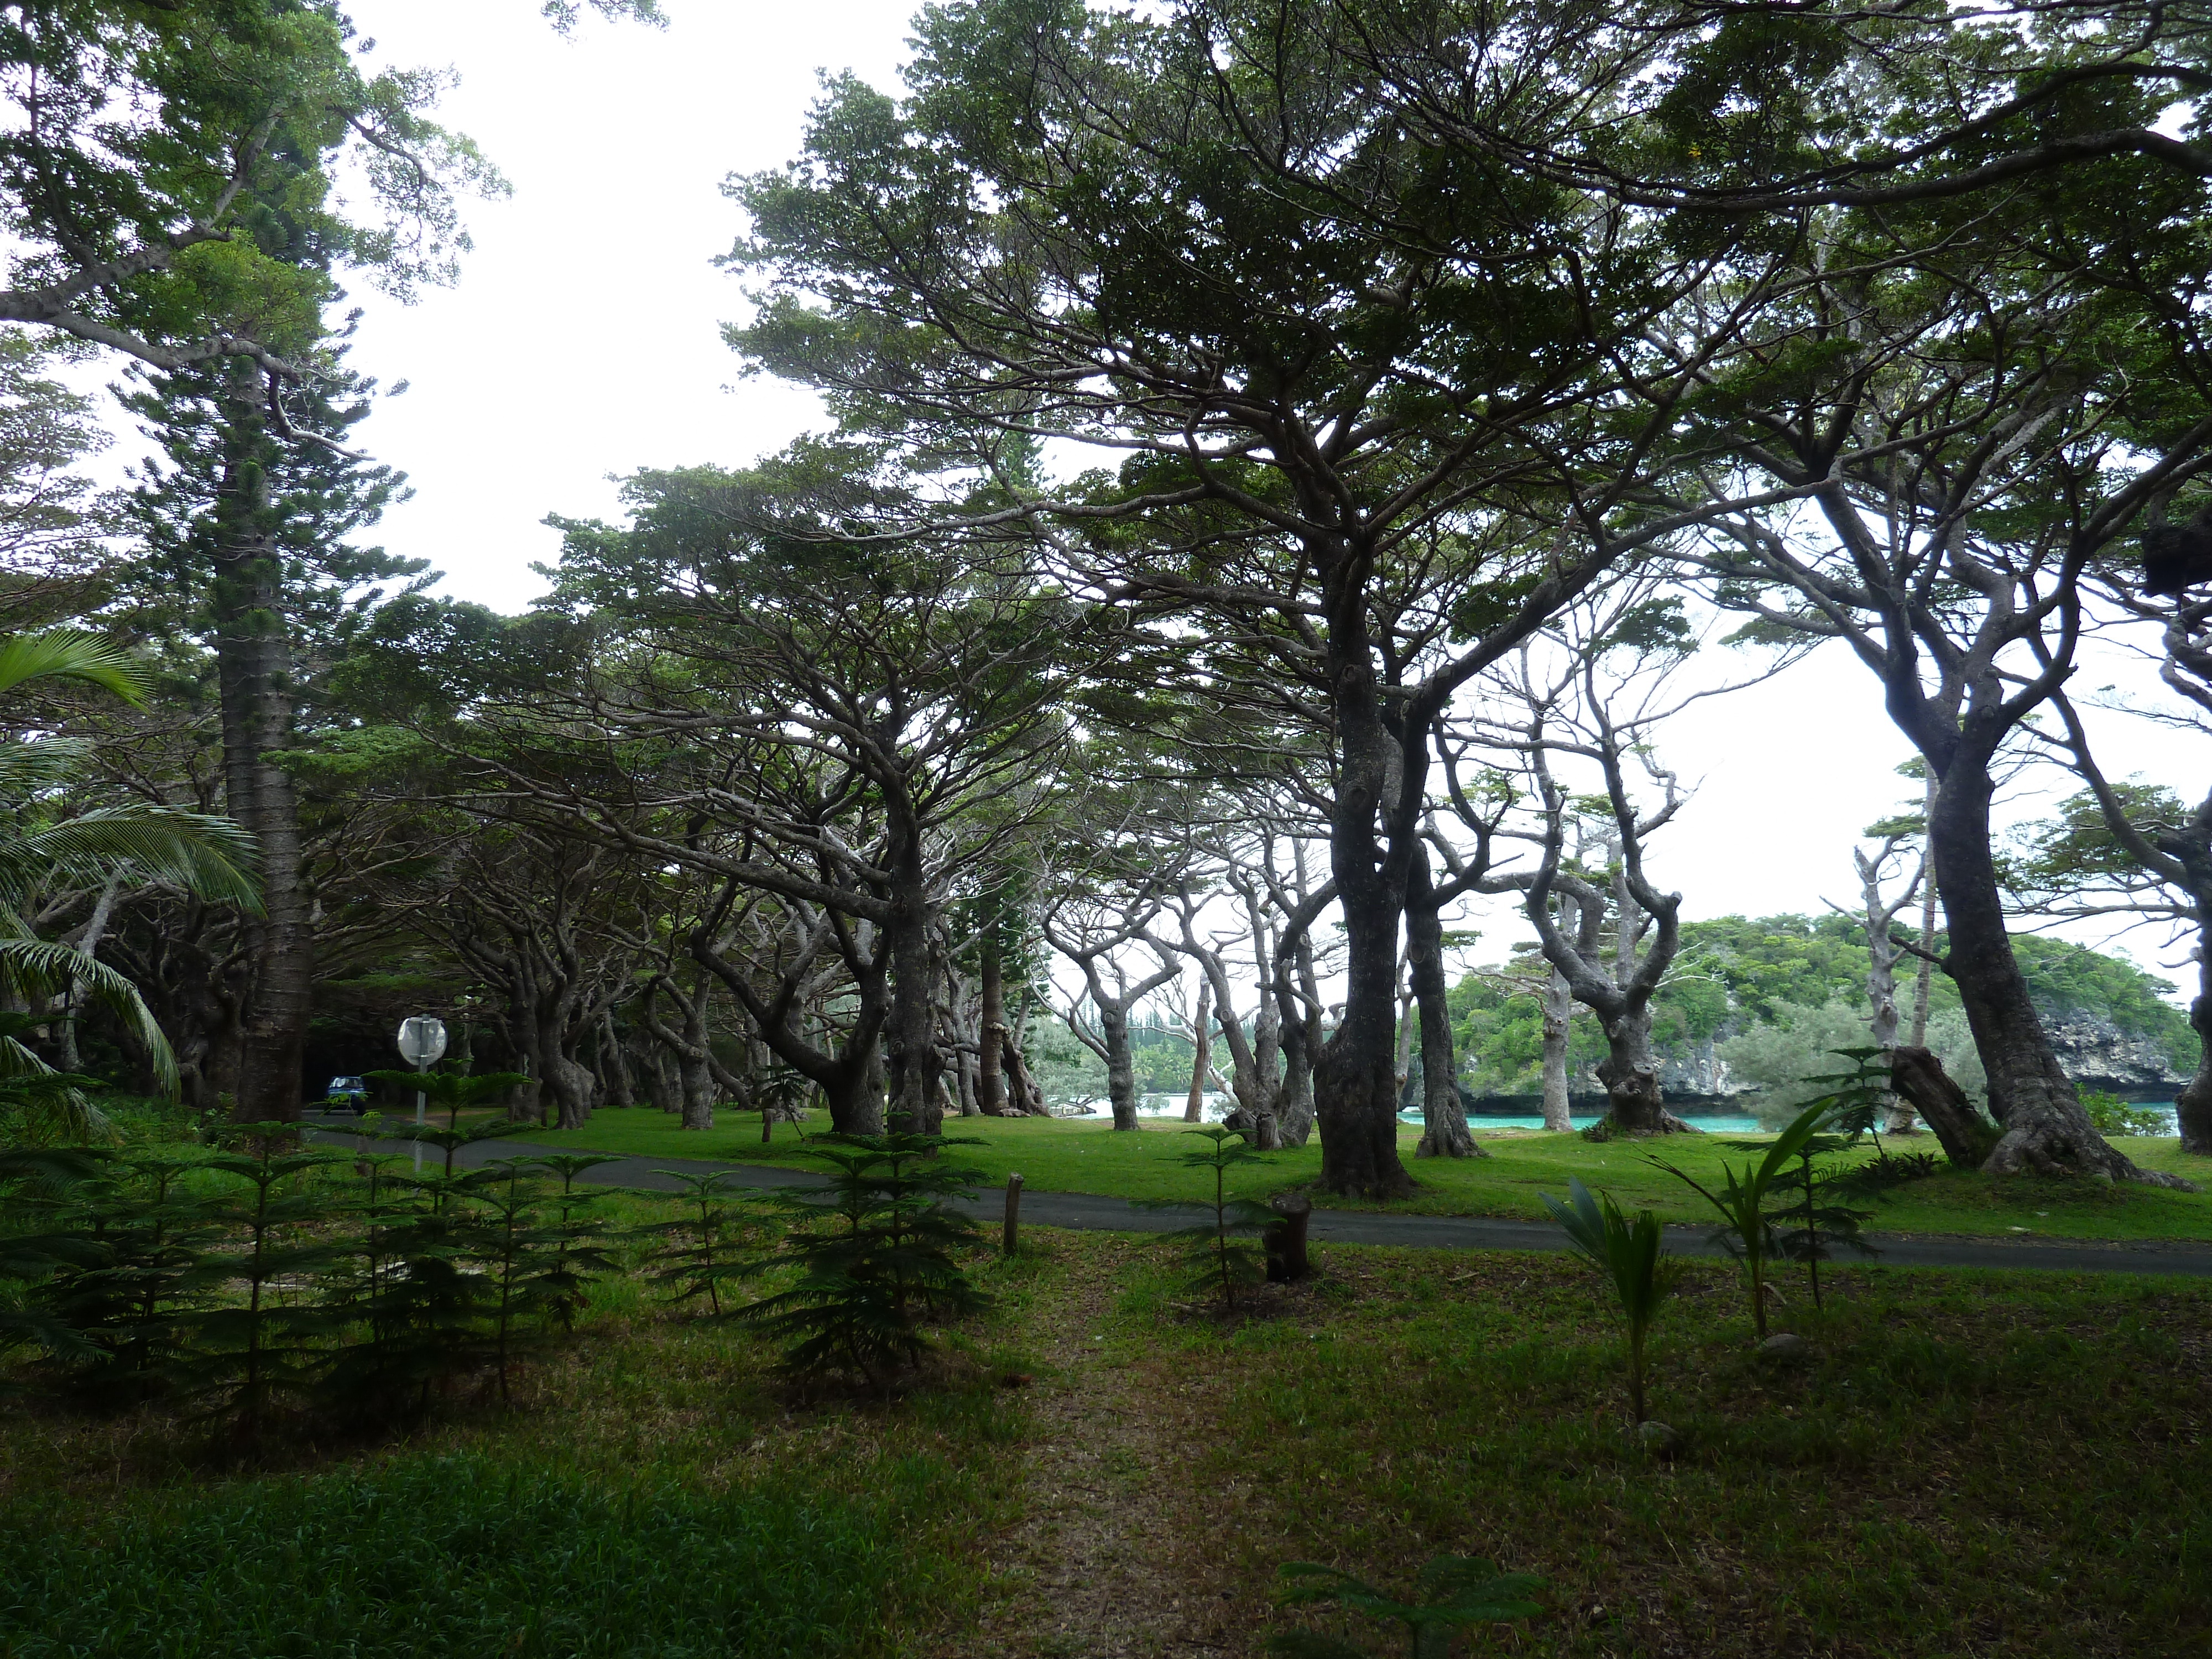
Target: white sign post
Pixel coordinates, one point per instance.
(421, 1040)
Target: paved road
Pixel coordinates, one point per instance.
(1091, 1210)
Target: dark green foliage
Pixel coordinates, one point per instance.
(2111, 1115)
(1887, 1169)
(251, 1350)
(876, 1252)
(264, 1277)
(1805, 1221)
(36, 1244)
(1854, 1099)
(1632, 1255)
(783, 1089)
(537, 1266)
(1451, 1594)
(407, 1292)
(448, 1140)
(429, 1556)
(580, 1251)
(1221, 1253)
(693, 1254)
(150, 1222)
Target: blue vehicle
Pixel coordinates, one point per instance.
(346, 1094)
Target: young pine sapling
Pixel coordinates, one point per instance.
(876, 1249)
(693, 1250)
(257, 1344)
(1219, 1252)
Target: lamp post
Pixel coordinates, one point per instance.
(421, 1040)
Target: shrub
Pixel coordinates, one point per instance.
(2111, 1115)
(874, 1250)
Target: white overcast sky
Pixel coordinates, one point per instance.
(582, 341)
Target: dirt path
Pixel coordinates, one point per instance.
(1109, 1558)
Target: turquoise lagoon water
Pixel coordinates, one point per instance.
(1726, 1123)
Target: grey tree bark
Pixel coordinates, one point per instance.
(1443, 1122)
(1193, 1111)
(1880, 912)
(1109, 1040)
(1619, 992)
(255, 677)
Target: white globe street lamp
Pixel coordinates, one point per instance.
(421, 1040)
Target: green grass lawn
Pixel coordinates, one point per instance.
(1086, 1155)
(1968, 1463)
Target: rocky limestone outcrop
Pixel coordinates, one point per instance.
(1695, 1069)
(2098, 1054)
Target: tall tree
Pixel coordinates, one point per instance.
(1193, 239)
(1972, 445)
(145, 136)
(2141, 852)
(849, 722)
(249, 538)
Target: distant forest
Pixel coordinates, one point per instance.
(1735, 977)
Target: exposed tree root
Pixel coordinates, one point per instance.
(2047, 1148)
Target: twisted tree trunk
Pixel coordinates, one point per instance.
(1443, 1122)
(1558, 1010)
(1193, 1111)
(2031, 1098)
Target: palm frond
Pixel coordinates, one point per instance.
(30, 767)
(44, 967)
(210, 857)
(72, 653)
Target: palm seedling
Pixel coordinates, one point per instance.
(1805, 1222)
(1743, 1198)
(1451, 1594)
(1633, 1255)
(1220, 1253)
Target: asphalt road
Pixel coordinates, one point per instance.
(1089, 1211)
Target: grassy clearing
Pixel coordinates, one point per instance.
(1086, 1155)
(1971, 1464)
(2015, 1463)
(658, 1495)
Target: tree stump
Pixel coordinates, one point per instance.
(1285, 1238)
